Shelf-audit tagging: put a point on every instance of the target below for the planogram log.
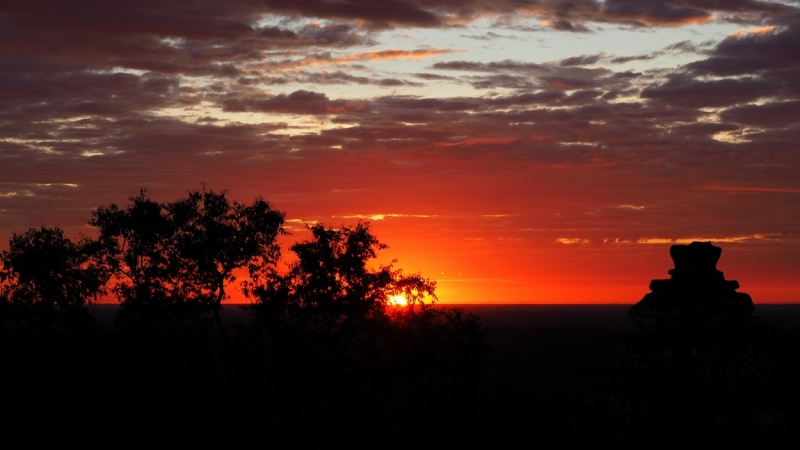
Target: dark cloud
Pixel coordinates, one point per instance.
(627, 59)
(298, 102)
(752, 52)
(695, 93)
(380, 15)
(469, 66)
(511, 74)
(504, 81)
(761, 64)
(433, 76)
(582, 60)
(190, 38)
(656, 12)
(339, 77)
(771, 115)
(578, 16)
(689, 46)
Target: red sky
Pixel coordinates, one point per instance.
(534, 152)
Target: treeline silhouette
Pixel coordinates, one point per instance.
(319, 358)
(324, 359)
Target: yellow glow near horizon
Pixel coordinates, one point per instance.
(397, 300)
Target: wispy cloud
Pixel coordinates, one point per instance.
(385, 216)
(722, 239)
(752, 189)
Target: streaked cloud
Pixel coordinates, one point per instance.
(384, 216)
(570, 241)
(752, 189)
(718, 240)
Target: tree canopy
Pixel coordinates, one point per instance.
(330, 286)
(45, 274)
(173, 261)
(330, 316)
(323, 329)
(169, 264)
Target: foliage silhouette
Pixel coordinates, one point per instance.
(46, 275)
(342, 357)
(329, 321)
(173, 261)
(324, 340)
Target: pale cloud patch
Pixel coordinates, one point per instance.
(377, 217)
(726, 239)
(571, 241)
(22, 193)
(381, 55)
(759, 30)
(616, 241)
(69, 185)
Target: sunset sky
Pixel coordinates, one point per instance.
(516, 151)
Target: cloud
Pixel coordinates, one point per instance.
(318, 59)
(689, 240)
(512, 74)
(298, 102)
(752, 189)
(582, 60)
(22, 193)
(470, 141)
(377, 217)
(698, 93)
(394, 54)
(340, 77)
(748, 53)
(571, 241)
(769, 115)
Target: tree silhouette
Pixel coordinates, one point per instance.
(323, 330)
(44, 274)
(330, 315)
(330, 288)
(173, 261)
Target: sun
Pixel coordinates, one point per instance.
(397, 300)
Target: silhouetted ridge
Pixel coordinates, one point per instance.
(696, 294)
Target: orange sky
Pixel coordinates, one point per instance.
(513, 153)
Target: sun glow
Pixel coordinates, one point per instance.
(397, 300)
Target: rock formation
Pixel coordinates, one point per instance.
(696, 295)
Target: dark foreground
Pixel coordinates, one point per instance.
(539, 386)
